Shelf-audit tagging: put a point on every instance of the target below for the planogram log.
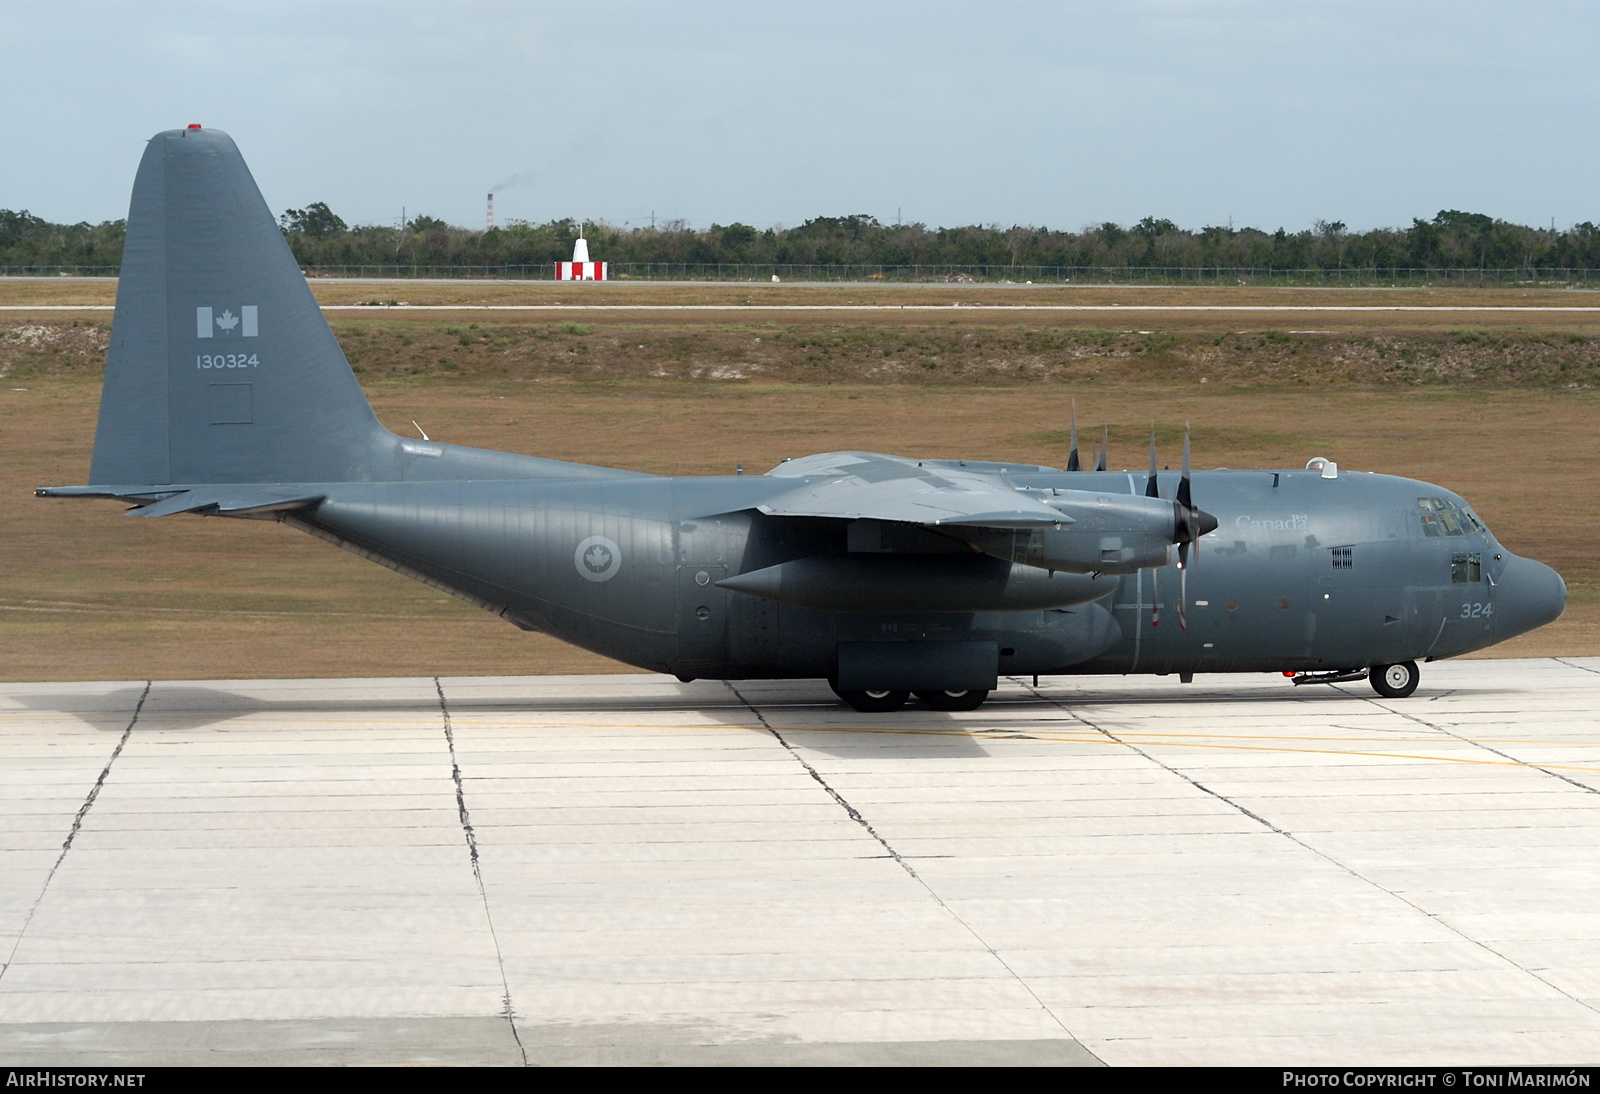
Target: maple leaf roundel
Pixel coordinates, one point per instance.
(598, 558)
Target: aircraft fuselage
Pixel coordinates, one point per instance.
(1303, 573)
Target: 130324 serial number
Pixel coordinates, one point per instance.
(226, 360)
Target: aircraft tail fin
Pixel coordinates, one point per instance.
(222, 368)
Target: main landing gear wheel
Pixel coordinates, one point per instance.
(1394, 681)
(953, 700)
(875, 702)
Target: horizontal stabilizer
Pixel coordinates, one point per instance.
(139, 494)
(228, 501)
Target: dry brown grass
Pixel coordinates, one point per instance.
(1132, 300)
(87, 594)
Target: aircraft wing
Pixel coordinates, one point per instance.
(861, 485)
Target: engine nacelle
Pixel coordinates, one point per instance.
(1108, 534)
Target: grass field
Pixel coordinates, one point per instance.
(1500, 406)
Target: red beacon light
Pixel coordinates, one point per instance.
(195, 125)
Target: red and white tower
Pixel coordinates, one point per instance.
(580, 268)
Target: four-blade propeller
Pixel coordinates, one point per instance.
(1189, 521)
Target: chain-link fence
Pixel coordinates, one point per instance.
(935, 274)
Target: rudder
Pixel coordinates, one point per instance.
(222, 368)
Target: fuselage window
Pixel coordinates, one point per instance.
(1440, 517)
(1343, 558)
(1466, 569)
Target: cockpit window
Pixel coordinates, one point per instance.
(1442, 517)
(1466, 569)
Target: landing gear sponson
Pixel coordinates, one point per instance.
(1396, 681)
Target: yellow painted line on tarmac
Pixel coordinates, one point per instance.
(1342, 752)
(423, 717)
(555, 719)
(1093, 737)
(1022, 730)
(1567, 743)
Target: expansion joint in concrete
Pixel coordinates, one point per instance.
(506, 1010)
(1324, 855)
(1487, 748)
(1191, 780)
(77, 824)
(855, 815)
(817, 775)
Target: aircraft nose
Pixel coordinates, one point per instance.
(1529, 594)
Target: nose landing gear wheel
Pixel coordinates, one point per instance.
(1394, 681)
(875, 702)
(953, 700)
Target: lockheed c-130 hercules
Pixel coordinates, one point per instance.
(226, 394)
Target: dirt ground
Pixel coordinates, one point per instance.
(1501, 409)
(734, 294)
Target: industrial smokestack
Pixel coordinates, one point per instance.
(490, 225)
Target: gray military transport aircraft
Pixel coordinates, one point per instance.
(226, 394)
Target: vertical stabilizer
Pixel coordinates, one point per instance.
(222, 368)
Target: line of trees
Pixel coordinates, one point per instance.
(27, 240)
(319, 238)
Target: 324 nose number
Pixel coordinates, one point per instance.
(225, 360)
(1477, 611)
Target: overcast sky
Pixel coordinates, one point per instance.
(1058, 114)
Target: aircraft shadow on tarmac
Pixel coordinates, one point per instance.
(805, 707)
